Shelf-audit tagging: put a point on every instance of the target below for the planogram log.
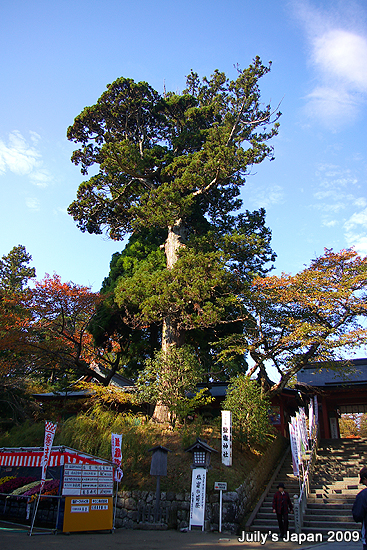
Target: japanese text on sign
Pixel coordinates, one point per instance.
(227, 438)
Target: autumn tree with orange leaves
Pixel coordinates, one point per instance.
(44, 334)
(314, 316)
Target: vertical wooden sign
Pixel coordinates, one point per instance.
(227, 438)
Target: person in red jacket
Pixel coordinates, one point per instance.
(281, 504)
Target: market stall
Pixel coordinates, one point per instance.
(82, 486)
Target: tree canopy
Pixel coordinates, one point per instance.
(15, 274)
(317, 315)
(165, 159)
(44, 335)
(169, 170)
(176, 163)
(15, 271)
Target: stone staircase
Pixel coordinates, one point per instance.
(335, 484)
(263, 519)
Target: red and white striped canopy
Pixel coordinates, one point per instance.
(31, 457)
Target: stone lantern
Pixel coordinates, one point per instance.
(201, 453)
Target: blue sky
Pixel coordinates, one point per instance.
(57, 57)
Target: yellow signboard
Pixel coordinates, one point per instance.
(93, 513)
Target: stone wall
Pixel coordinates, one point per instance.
(136, 509)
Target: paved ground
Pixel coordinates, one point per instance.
(13, 538)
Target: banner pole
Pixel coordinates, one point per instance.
(35, 513)
(115, 507)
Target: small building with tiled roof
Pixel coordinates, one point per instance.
(341, 387)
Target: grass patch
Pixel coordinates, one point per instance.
(91, 433)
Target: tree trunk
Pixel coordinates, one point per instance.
(171, 335)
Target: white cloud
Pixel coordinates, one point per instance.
(331, 208)
(343, 55)
(331, 223)
(268, 196)
(17, 156)
(338, 53)
(360, 202)
(41, 177)
(23, 159)
(32, 203)
(336, 199)
(356, 231)
(60, 210)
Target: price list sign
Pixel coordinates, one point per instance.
(87, 513)
(87, 479)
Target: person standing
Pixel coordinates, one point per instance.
(359, 509)
(281, 505)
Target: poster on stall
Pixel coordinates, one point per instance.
(198, 491)
(88, 479)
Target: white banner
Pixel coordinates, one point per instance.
(198, 491)
(311, 419)
(227, 438)
(297, 433)
(294, 449)
(303, 427)
(116, 440)
(50, 430)
(316, 409)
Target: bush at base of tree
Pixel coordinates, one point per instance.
(170, 380)
(250, 411)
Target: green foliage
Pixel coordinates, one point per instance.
(250, 411)
(111, 322)
(14, 269)
(31, 434)
(16, 403)
(161, 157)
(174, 167)
(169, 379)
(200, 293)
(91, 432)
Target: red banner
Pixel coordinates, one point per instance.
(50, 430)
(116, 455)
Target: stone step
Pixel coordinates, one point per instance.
(330, 525)
(330, 501)
(334, 487)
(329, 506)
(333, 492)
(337, 512)
(336, 518)
(270, 523)
(350, 495)
(269, 515)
